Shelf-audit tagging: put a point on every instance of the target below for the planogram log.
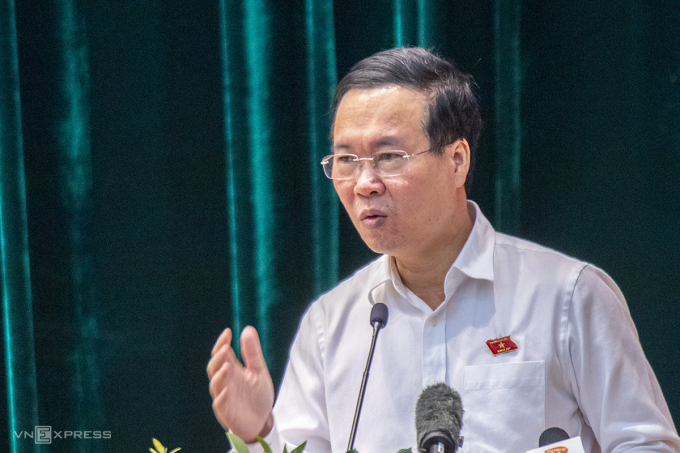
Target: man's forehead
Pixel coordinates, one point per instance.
(383, 116)
(374, 94)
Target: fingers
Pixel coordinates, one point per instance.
(222, 354)
(221, 368)
(251, 350)
(218, 403)
(221, 408)
(224, 338)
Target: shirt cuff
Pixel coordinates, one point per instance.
(273, 439)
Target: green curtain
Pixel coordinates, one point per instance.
(161, 181)
(508, 86)
(71, 129)
(284, 124)
(17, 307)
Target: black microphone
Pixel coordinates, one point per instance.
(379, 316)
(439, 418)
(557, 439)
(552, 435)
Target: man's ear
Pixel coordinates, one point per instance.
(458, 153)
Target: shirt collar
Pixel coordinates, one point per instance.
(475, 259)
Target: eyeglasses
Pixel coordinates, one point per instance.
(385, 163)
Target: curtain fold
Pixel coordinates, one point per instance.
(507, 22)
(84, 403)
(412, 22)
(20, 371)
(321, 80)
(257, 37)
(270, 156)
(242, 224)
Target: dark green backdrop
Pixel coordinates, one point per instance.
(160, 181)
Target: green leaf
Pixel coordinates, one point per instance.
(159, 446)
(353, 451)
(285, 450)
(300, 448)
(265, 445)
(238, 443)
(405, 450)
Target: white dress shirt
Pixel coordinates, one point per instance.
(579, 365)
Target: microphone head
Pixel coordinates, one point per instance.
(552, 435)
(379, 314)
(439, 410)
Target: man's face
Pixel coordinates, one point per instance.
(409, 215)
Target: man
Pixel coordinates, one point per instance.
(530, 338)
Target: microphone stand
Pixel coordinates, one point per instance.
(376, 329)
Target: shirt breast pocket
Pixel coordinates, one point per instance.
(504, 405)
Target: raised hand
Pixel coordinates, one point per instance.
(243, 396)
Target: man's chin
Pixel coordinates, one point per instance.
(379, 245)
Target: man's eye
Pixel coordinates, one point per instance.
(344, 159)
(388, 157)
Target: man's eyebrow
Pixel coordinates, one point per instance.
(379, 143)
(387, 141)
(341, 147)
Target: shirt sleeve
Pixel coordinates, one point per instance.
(300, 411)
(614, 384)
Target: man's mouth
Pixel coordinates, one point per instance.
(373, 218)
(369, 213)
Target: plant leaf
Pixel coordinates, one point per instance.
(352, 451)
(159, 446)
(176, 449)
(300, 448)
(265, 445)
(405, 450)
(152, 450)
(285, 450)
(238, 443)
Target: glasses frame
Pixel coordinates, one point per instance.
(326, 160)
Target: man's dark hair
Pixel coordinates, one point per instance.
(453, 111)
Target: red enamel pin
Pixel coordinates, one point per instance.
(501, 345)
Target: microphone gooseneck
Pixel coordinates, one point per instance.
(552, 435)
(379, 315)
(439, 418)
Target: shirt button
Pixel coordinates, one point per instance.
(434, 320)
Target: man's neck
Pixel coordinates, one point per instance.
(424, 275)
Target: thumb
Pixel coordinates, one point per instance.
(251, 351)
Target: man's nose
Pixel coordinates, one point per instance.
(368, 181)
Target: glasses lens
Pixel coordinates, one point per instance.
(327, 164)
(343, 166)
(391, 163)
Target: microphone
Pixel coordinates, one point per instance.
(439, 418)
(379, 315)
(552, 435)
(556, 440)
